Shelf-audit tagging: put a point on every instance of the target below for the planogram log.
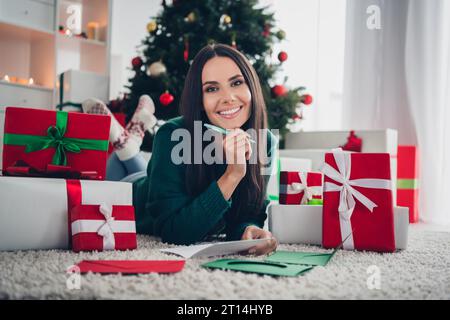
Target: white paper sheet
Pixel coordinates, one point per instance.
(214, 249)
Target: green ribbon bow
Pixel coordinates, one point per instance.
(55, 139)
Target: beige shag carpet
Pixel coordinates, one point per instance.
(420, 272)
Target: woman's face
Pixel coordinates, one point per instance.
(226, 96)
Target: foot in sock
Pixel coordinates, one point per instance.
(125, 147)
(95, 106)
(143, 119)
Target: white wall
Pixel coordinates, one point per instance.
(129, 28)
(315, 44)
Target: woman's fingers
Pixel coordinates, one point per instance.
(266, 247)
(237, 148)
(253, 232)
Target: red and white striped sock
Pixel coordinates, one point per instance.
(142, 120)
(119, 137)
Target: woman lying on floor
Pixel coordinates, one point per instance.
(184, 201)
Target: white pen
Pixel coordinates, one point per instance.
(223, 131)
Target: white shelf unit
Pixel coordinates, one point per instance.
(31, 46)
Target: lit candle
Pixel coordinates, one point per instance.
(31, 81)
(93, 30)
(6, 78)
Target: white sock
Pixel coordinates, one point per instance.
(142, 120)
(128, 150)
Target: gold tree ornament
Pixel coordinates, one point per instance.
(281, 35)
(152, 26)
(156, 69)
(225, 19)
(191, 17)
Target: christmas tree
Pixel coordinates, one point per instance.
(182, 28)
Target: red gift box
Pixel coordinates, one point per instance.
(43, 138)
(300, 187)
(358, 204)
(120, 117)
(407, 180)
(101, 227)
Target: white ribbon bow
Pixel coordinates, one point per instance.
(106, 230)
(348, 193)
(302, 186)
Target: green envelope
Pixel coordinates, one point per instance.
(305, 258)
(262, 267)
(301, 258)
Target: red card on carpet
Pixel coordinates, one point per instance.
(131, 267)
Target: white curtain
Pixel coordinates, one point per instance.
(398, 76)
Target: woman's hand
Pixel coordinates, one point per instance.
(253, 232)
(237, 150)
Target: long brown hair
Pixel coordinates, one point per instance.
(251, 189)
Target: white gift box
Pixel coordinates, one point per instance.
(373, 141)
(34, 213)
(286, 164)
(317, 156)
(292, 224)
(314, 145)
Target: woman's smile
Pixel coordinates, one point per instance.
(230, 113)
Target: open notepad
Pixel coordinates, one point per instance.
(214, 249)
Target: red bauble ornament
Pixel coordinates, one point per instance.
(266, 31)
(186, 49)
(296, 117)
(282, 56)
(137, 62)
(307, 99)
(279, 90)
(166, 98)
